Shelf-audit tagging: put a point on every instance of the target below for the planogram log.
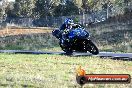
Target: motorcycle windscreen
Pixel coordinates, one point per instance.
(78, 33)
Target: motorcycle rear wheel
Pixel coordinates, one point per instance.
(66, 47)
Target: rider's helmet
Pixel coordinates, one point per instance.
(68, 21)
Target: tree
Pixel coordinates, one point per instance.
(107, 7)
(24, 8)
(10, 10)
(67, 9)
(128, 6)
(59, 10)
(127, 2)
(44, 8)
(2, 10)
(90, 5)
(71, 8)
(119, 6)
(78, 3)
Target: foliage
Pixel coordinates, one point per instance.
(3, 5)
(69, 8)
(43, 8)
(9, 10)
(23, 8)
(88, 5)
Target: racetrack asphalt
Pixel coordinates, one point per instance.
(112, 55)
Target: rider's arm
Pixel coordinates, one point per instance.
(76, 26)
(63, 27)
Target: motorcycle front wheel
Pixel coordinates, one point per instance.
(92, 48)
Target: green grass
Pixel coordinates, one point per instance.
(56, 71)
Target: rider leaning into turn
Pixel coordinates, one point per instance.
(68, 23)
(66, 27)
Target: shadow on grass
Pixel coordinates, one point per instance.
(28, 86)
(4, 85)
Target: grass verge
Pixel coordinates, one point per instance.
(56, 71)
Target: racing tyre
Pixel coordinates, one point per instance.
(92, 48)
(65, 46)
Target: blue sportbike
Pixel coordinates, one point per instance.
(79, 41)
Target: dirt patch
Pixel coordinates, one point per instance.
(17, 31)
